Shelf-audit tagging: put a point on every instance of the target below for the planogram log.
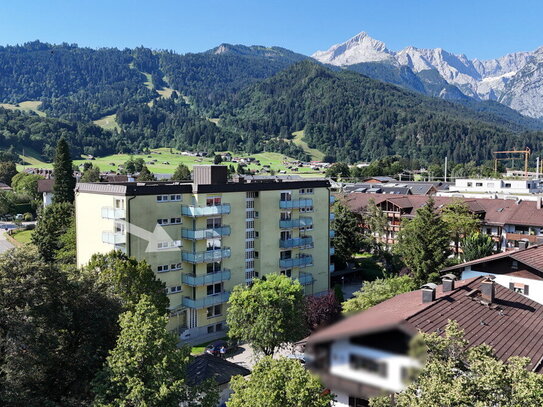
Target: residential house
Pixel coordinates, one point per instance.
(366, 355)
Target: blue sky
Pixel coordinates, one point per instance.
(479, 28)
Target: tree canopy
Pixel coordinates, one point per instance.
(476, 246)
(64, 185)
(268, 314)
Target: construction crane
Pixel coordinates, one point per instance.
(525, 152)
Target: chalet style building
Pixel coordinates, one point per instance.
(366, 355)
(520, 270)
(507, 221)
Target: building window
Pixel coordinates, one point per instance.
(213, 244)
(163, 221)
(520, 288)
(119, 204)
(218, 327)
(250, 234)
(357, 402)
(210, 329)
(250, 224)
(250, 244)
(249, 255)
(286, 196)
(213, 201)
(286, 215)
(213, 223)
(163, 245)
(306, 191)
(175, 198)
(250, 204)
(285, 235)
(470, 184)
(214, 311)
(514, 265)
(507, 185)
(287, 273)
(175, 221)
(358, 362)
(175, 289)
(163, 268)
(287, 254)
(176, 243)
(175, 266)
(162, 198)
(251, 214)
(478, 184)
(213, 267)
(250, 264)
(214, 289)
(306, 209)
(252, 194)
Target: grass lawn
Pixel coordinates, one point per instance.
(168, 161)
(313, 152)
(108, 122)
(28, 106)
(22, 236)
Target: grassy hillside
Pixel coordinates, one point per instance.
(313, 152)
(27, 106)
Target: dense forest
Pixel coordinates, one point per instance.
(261, 95)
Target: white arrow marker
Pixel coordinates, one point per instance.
(159, 235)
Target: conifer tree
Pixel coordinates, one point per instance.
(182, 173)
(424, 243)
(64, 184)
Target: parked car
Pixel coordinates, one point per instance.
(215, 347)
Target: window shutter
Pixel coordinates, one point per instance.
(511, 286)
(382, 369)
(526, 289)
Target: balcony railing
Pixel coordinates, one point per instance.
(208, 301)
(332, 251)
(332, 233)
(205, 233)
(295, 223)
(195, 281)
(332, 199)
(196, 211)
(113, 213)
(332, 268)
(305, 278)
(301, 261)
(208, 256)
(332, 216)
(296, 242)
(296, 203)
(113, 238)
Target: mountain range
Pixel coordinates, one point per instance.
(515, 80)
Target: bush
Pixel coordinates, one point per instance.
(27, 217)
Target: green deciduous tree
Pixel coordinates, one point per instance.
(182, 173)
(338, 170)
(476, 246)
(424, 243)
(63, 187)
(24, 183)
(127, 279)
(268, 314)
(146, 368)
(349, 237)
(91, 174)
(217, 159)
(377, 291)
(279, 382)
(53, 222)
(55, 332)
(146, 175)
(455, 374)
(460, 221)
(376, 221)
(8, 170)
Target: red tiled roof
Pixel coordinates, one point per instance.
(514, 328)
(497, 211)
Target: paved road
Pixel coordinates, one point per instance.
(4, 244)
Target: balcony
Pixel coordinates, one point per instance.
(208, 301)
(301, 261)
(113, 213)
(332, 199)
(208, 256)
(332, 251)
(302, 242)
(332, 233)
(197, 211)
(201, 234)
(113, 238)
(332, 216)
(332, 268)
(295, 204)
(305, 278)
(296, 223)
(195, 281)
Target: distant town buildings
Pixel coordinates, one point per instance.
(528, 189)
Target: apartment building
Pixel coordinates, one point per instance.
(508, 221)
(205, 237)
(528, 189)
(367, 354)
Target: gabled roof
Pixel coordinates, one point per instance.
(513, 327)
(206, 366)
(531, 257)
(45, 185)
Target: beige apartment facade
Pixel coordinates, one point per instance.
(204, 238)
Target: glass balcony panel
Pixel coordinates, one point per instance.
(296, 242)
(332, 199)
(302, 261)
(332, 233)
(332, 268)
(332, 251)
(296, 223)
(208, 256)
(205, 233)
(113, 213)
(195, 281)
(207, 301)
(296, 203)
(113, 238)
(196, 211)
(332, 216)
(305, 278)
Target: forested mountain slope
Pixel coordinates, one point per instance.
(356, 118)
